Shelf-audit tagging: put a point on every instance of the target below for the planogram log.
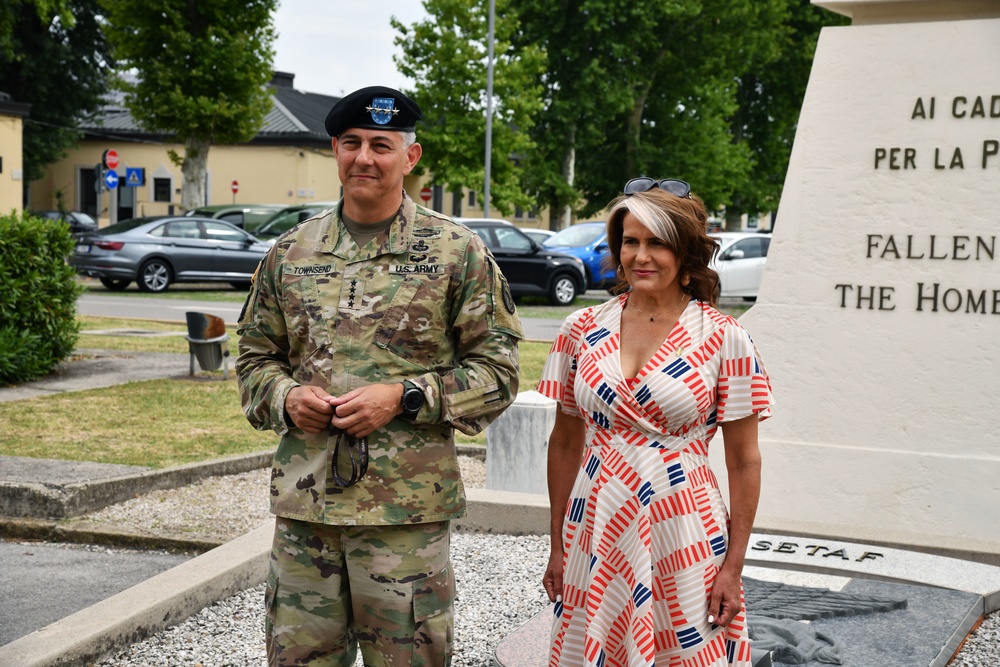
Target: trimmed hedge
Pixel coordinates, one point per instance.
(38, 327)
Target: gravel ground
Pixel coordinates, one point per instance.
(498, 578)
(218, 510)
(230, 633)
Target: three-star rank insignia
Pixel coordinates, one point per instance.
(382, 109)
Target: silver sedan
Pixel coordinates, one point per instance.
(156, 252)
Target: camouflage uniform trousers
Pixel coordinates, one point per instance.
(389, 588)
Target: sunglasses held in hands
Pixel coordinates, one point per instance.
(359, 461)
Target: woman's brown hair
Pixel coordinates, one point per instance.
(681, 223)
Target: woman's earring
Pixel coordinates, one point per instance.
(620, 272)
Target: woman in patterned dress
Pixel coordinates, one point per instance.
(645, 559)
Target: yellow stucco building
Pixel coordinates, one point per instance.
(289, 162)
(11, 153)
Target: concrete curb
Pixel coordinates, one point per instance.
(490, 511)
(92, 533)
(28, 500)
(33, 500)
(159, 602)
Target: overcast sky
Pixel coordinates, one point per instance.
(335, 47)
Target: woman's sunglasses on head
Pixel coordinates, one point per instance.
(674, 186)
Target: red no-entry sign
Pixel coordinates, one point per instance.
(111, 158)
(236, 187)
(425, 194)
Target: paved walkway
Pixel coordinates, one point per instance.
(94, 369)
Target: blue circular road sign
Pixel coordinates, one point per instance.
(111, 180)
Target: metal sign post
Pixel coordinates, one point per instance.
(111, 180)
(110, 159)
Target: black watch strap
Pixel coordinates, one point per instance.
(413, 398)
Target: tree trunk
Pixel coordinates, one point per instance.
(569, 175)
(733, 220)
(193, 170)
(633, 139)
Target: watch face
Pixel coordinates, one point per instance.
(412, 400)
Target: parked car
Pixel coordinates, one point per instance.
(157, 252)
(538, 235)
(587, 241)
(740, 262)
(244, 216)
(79, 223)
(530, 268)
(288, 217)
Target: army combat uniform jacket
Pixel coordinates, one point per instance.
(424, 303)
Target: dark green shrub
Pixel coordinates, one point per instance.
(38, 327)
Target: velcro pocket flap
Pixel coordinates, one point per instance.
(433, 595)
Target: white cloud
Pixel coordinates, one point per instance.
(337, 46)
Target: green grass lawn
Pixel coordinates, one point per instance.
(140, 423)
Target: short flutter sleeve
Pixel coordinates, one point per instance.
(744, 387)
(559, 372)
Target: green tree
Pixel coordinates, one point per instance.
(202, 69)
(447, 56)
(770, 98)
(53, 55)
(641, 87)
(12, 13)
(583, 91)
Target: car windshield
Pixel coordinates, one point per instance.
(281, 223)
(83, 217)
(577, 236)
(123, 226)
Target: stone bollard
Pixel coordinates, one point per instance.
(517, 445)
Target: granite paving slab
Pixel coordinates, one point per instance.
(865, 561)
(928, 632)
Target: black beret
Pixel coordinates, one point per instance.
(373, 108)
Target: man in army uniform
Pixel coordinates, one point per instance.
(371, 332)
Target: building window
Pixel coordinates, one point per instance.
(471, 201)
(456, 203)
(161, 189)
(437, 198)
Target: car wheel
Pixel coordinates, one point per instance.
(563, 290)
(154, 276)
(115, 284)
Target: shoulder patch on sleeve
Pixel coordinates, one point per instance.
(504, 309)
(254, 288)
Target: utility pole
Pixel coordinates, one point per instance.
(489, 110)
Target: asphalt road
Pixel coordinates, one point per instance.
(43, 583)
(172, 310)
(153, 308)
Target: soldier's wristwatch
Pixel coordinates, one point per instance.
(412, 400)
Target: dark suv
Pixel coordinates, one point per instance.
(79, 223)
(530, 269)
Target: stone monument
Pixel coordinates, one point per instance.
(879, 313)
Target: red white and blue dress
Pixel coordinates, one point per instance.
(646, 527)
